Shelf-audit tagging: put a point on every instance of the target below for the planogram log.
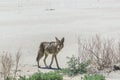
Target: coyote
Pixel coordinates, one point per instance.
(50, 48)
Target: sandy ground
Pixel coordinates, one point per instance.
(25, 24)
(31, 69)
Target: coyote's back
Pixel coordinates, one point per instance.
(50, 48)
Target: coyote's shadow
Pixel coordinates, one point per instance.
(49, 68)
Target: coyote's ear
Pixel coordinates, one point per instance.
(62, 40)
(56, 39)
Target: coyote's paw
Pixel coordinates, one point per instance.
(39, 66)
(59, 68)
(49, 67)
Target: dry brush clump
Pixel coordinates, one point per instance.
(8, 63)
(103, 53)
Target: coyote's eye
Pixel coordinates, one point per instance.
(60, 46)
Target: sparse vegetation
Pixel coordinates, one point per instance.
(75, 66)
(46, 76)
(7, 64)
(93, 77)
(18, 55)
(103, 52)
(41, 76)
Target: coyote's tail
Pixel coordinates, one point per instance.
(41, 47)
(40, 52)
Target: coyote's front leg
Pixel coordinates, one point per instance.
(54, 56)
(52, 61)
(57, 62)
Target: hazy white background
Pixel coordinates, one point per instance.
(26, 23)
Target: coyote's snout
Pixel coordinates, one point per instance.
(50, 48)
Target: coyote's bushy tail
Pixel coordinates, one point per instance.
(41, 47)
(40, 52)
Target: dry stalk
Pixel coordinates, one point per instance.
(7, 63)
(18, 55)
(102, 52)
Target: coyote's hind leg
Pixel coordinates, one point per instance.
(39, 56)
(46, 55)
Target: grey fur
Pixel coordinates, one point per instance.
(50, 48)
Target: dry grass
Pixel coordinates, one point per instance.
(7, 64)
(18, 56)
(102, 52)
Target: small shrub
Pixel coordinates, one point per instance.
(93, 77)
(8, 78)
(75, 66)
(42, 76)
(51, 76)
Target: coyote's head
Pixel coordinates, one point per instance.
(59, 43)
